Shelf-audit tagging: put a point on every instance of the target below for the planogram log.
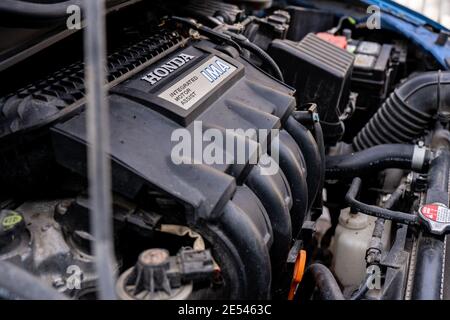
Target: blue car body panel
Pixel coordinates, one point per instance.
(414, 26)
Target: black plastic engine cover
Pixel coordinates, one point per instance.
(199, 88)
(145, 112)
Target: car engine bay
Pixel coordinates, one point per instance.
(341, 191)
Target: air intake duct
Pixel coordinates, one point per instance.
(407, 113)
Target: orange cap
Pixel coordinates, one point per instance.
(297, 276)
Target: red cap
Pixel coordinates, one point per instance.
(338, 41)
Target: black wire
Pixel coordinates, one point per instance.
(362, 290)
(260, 53)
(208, 32)
(236, 40)
(378, 233)
(375, 211)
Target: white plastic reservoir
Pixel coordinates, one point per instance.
(350, 243)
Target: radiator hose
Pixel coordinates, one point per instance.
(363, 163)
(408, 112)
(430, 279)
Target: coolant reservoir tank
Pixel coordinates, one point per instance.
(350, 243)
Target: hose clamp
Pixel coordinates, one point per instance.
(419, 156)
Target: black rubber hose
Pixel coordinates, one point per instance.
(378, 229)
(260, 53)
(319, 137)
(311, 153)
(311, 121)
(319, 276)
(408, 111)
(267, 60)
(208, 32)
(438, 178)
(374, 159)
(21, 284)
(375, 211)
(236, 41)
(428, 269)
(32, 10)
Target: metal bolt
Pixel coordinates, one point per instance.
(194, 34)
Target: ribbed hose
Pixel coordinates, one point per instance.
(408, 112)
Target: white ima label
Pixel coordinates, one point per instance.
(189, 90)
(215, 70)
